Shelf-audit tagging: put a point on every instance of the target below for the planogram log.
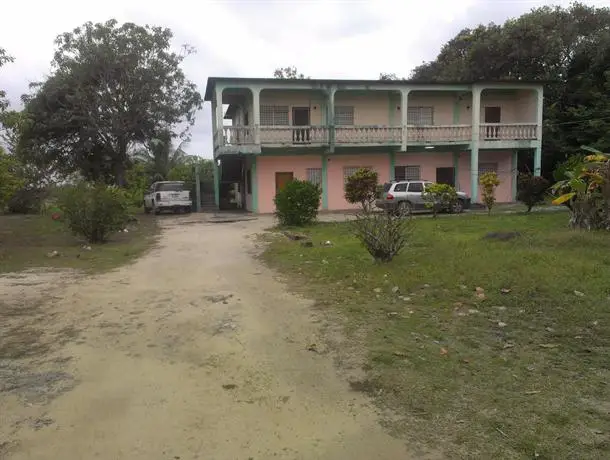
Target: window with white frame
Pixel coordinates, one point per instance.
(274, 115)
(344, 115)
(351, 170)
(420, 116)
(488, 167)
(409, 172)
(314, 175)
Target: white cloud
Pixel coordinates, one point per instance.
(323, 38)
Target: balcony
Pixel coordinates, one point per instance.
(243, 139)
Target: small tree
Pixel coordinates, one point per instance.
(489, 182)
(361, 188)
(10, 178)
(439, 197)
(384, 235)
(531, 190)
(94, 210)
(297, 203)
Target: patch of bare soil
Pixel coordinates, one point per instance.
(195, 351)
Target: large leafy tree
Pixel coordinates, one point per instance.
(566, 46)
(112, 87)
(160, 156)
(4, 58)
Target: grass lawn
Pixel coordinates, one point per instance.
(520, 371)
(25, 242)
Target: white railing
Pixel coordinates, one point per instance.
(284, 135)
(508, 131)
(238, 135)
(439, 133)
(368, 134)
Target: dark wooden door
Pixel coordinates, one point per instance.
(281, 179)
(492, 115)
(445, 176)
(300, 117)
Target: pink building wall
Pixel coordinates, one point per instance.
(503, 159)
(380, 162)
(267, 166)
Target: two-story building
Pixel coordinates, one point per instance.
(269, 131)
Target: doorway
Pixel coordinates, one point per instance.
(300, 117)
(492, 115)
(445, 176)
(281, 179)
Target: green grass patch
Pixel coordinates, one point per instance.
(521, 373)
(27, 241)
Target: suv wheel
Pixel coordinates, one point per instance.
(405, 208)
(458, 207)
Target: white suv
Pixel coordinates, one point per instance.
(406, 196)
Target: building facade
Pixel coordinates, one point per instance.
(269, 131)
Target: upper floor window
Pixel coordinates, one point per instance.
(419, 116)
(274, 115)
(344, 115)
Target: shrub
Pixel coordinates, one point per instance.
(11, 179)
(297, 203)
(27, 201)
(439, 197)
(384, 235)
(489, 182)
(361, 188)
(531, 190)
(562, 169)
(94, 210)
(138, 181)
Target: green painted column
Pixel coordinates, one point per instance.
(456, 163)
(216, 183)
(392, 165)
(514, 173)
(538, 160)
(254, 177)
(324, 182)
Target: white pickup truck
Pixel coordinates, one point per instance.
(167, 196)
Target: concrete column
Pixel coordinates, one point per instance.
(330, 118)
(538, 148)
(474, 143)
(404, 111)
(216, 183)
(515, 173)
(218, 115)
(256, 114)
(324, 182)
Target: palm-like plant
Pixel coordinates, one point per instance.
(160, 157)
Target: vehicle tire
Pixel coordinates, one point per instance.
(187, 209)
(458, 207)
(147, 210)
(405, 208)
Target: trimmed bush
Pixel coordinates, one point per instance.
(531, 190)
(439, 197)
(383, 234)
(361, 188)
(94, 210)
(489, 182)
(297, 203)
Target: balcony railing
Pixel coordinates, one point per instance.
(440, 133)
(368, 135)
(290, 135)
(508, 131)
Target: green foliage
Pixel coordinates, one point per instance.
(114, 87)
(531, 190)
(10, 178)
(94, 210)
(160, 156)
(138, 181)
(297, 203)
(361, 188)
(383, 234)
(289, 72)
(439, 197)
(569, 47)
(27, 200)
(561, 171)
(489, 182)
(4, 58)
(586, 192)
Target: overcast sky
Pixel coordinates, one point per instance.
(250, 38)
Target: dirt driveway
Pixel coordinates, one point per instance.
(193, 352)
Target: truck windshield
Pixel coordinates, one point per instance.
(170, 187)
